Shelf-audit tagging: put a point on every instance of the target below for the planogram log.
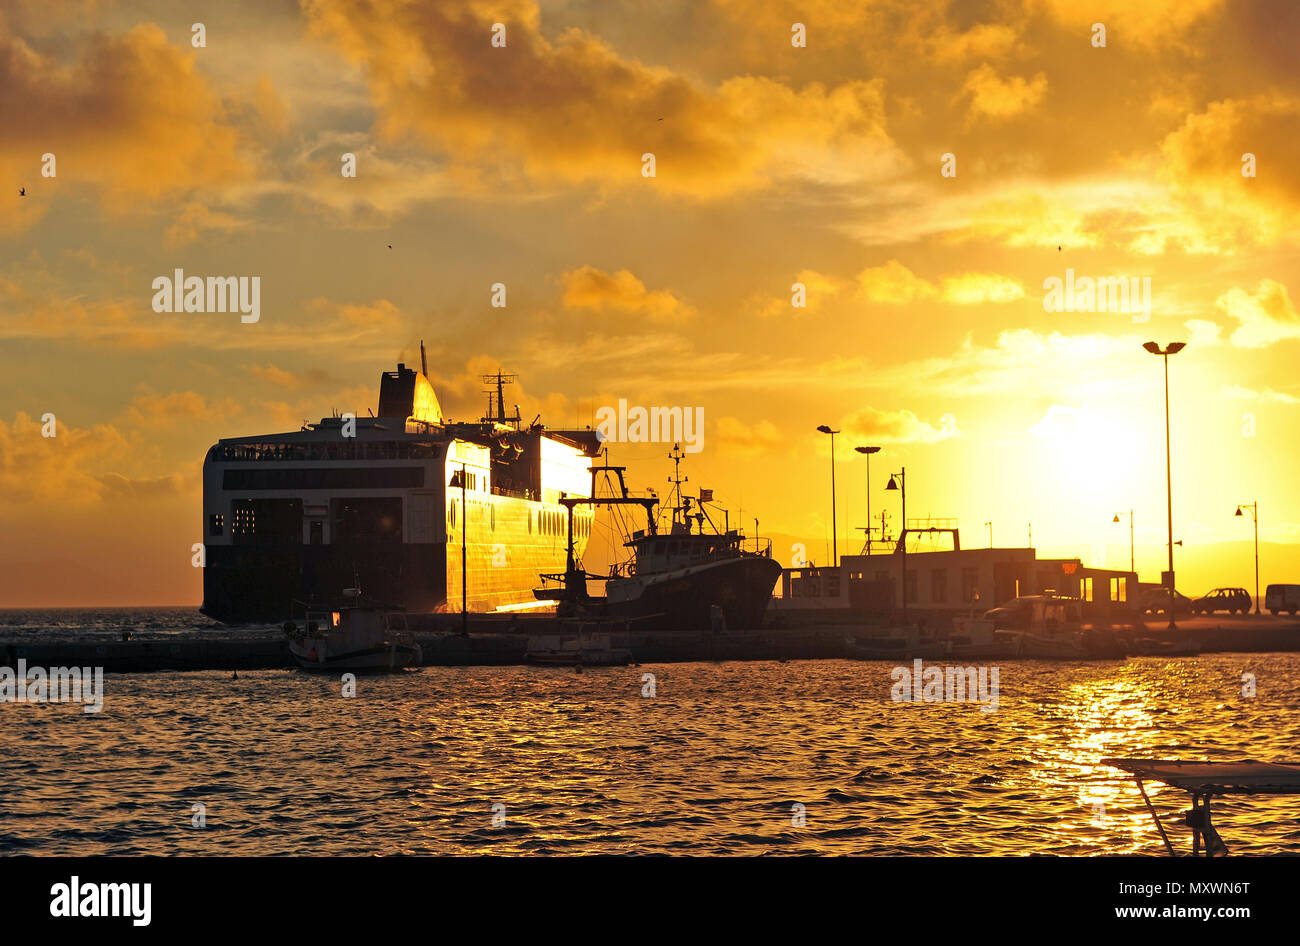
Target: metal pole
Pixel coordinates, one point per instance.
(464, 556)
(868, 456)
(835, 550)
(1257, 611)
(903, 538)
(1169, 495)
(1130, 542)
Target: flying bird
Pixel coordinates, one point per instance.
(22, 192)
(390, 246)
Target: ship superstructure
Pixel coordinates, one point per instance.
(381, 500)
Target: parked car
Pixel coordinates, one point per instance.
(1282, 598)
(1223, 599)
(1156, 601)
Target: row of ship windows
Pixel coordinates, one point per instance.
(346, 449)
(542, 522)
(360, 519)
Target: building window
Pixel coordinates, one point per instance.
(970, 585)
(909, 587)
(833, 586)
(216, 524)
(939, 585)
(882, 576)
(1119, 589)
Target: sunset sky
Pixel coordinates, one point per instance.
(924, 332)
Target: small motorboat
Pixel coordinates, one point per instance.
(581, 643)
(892, 643)
(976, 638)
(1155, 647)
(1042, 627)
(584, 650)
(357, 636)
(1204, 780)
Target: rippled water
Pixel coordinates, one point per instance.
(583, 763)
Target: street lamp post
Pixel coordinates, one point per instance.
(1172, 348)
(460, 478)
(835, 551)
(867, 452)
(899, 482)
(1130, 536)
(1254, 514)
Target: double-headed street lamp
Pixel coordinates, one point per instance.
(835, 552)
(1254, 514)
(867, 452)
(1172, 348)
(1130, 536)
(899, 482)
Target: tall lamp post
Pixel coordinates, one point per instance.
(835, 551)
(867, 452)
(899, 482)
(1172, 348)
(1254, 514)
(460, 478)
(1130, 536)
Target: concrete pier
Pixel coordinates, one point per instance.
(497, 641)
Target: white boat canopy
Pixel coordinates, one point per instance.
(1217, 778)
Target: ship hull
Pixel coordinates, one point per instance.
(684, 599)
(244, 584)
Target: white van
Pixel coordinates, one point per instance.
(1282, 598)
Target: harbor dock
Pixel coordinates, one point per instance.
(493, 640)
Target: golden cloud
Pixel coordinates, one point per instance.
(131, 117)
(902, 426)
(541, 113)
(894, 283)
(1266, 316)
(737, 438)
(997, 98)
(590, 288)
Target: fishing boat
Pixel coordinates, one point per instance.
(357, 636)
(1203, 781)
(701, 575)
(586, 646)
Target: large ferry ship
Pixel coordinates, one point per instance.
(393, 502)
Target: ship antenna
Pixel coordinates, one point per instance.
(677, 480)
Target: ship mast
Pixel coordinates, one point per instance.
(681, 509)
(497, 413)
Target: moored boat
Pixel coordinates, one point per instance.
(583, 647)
(890, 643)
(690, 578)
(352, 637)
(1203, 781)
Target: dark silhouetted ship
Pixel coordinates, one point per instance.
(381, 501)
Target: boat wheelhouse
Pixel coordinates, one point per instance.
(294, 515)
